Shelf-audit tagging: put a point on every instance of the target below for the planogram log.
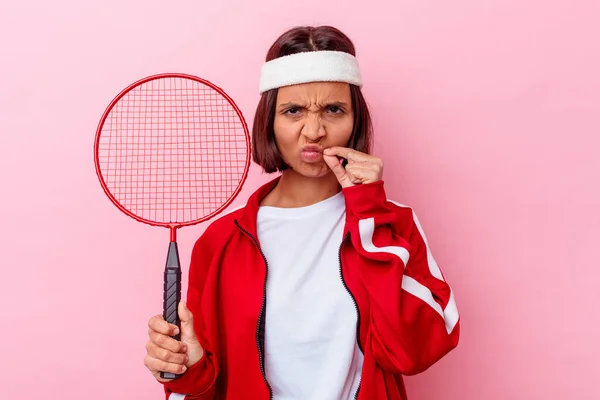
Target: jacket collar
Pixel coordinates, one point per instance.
(250, 212)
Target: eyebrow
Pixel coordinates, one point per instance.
(292, 104)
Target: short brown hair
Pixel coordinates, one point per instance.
(301, 39)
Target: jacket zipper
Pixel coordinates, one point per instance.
(344, 240)
(259, 326)
(261, 316)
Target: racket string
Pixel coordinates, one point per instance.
(173, 150)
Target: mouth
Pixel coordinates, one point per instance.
(311, 153)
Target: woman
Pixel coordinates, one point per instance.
(319, 287)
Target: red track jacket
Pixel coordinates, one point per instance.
(407, 317)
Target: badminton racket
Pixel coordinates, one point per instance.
(172, 150)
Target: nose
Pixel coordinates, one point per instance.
(313, 129)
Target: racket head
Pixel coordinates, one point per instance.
(163, 134)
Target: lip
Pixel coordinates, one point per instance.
(312, 148)
(311, 153)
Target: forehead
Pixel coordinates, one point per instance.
(315, 92)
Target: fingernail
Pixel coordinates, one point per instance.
(175, 331)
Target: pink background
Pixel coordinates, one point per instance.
(487, 114)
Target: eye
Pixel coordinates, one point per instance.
(335, 110)
(292, 111)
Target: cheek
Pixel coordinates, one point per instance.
(339, 133)
(285, 135)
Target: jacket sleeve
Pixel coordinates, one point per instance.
(414, 319)
(199, 381)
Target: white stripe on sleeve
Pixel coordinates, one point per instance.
(366, 227)
(450, 315)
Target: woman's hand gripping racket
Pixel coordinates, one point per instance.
(172, 150)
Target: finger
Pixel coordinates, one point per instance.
(156, 365)
(347, 153)
(338, 170)
(375, 167)
(186, 317)
(165, 355)
(363, 175)
(158, 324)
(355, 180)
(335, 165)
(166, 342)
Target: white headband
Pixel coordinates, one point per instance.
(310, 66)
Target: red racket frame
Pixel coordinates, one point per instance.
(172, 226)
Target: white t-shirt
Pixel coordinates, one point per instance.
(311, 352)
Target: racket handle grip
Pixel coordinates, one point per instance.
(172, 295)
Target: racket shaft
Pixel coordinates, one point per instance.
(172, 294)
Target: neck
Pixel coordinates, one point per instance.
(295, 190)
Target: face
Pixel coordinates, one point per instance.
(310, 118)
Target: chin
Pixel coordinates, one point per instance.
(317, 170)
